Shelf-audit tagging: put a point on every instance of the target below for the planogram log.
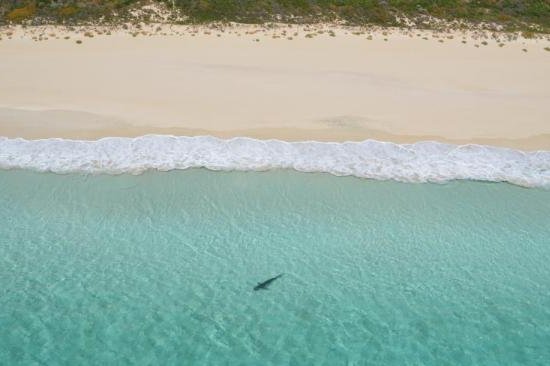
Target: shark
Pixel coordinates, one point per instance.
(265, 284)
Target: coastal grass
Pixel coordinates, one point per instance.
(21, 13)
(512, 15)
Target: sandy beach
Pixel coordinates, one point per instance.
(401, 86)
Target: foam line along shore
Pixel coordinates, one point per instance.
(420, 162)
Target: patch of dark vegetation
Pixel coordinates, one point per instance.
(509, 15)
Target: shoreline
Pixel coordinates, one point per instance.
(95, 133)
(421, 162)
(393, 85)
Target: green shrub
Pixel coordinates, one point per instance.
(19, 14)
(68, 11)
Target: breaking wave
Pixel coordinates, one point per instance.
(419, 162)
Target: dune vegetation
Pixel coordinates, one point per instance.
(525, 15)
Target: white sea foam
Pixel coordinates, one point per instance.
(419, 162)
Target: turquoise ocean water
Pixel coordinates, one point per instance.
(158, 269)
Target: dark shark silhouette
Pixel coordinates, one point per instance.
(264, 285)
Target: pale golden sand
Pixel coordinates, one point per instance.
(324, 88)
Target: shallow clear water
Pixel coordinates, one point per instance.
(159, 269)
